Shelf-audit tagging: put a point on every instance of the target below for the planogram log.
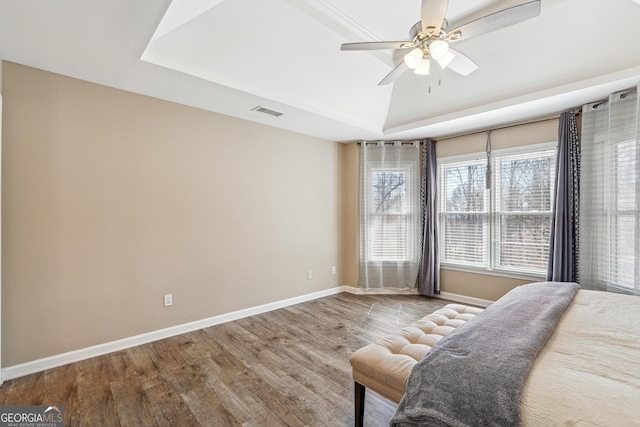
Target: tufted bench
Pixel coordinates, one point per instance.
(384, 366)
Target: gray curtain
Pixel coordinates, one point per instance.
(563, 253)
(429, 278)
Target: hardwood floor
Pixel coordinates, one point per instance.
(288, 367)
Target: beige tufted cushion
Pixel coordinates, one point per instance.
(384, 366)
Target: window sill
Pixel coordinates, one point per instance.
(499, 273)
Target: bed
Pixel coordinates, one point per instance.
(585, 373)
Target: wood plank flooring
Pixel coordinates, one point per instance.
(288, 367)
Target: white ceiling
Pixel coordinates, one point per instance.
(230, 56)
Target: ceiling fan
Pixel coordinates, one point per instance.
(431, 36)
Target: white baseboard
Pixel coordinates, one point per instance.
(395, 291)
(384, 291)
(50, 362)
(465, 299)
(39, 365)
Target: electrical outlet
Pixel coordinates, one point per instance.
(309, 275)
(333, 270)
(168, 300)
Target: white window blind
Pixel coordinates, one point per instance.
(464, 213)
(623, 176)
(522, 206)
(506, 227)
(390, 214)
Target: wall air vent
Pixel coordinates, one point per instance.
(264, 110)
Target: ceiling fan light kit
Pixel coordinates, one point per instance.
(430, 37)
(413, 58)
(423, 68)
(438, 49)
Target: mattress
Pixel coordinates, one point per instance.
(588, 373)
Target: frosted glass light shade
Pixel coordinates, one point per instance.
(446, 59)
(438, 49)
(413, 58)
(423, 67)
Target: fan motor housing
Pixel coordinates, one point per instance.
(416, 34)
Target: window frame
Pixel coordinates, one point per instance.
(408, 168)
(489, 268)
(460, 161)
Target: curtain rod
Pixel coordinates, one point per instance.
(596, 104)
(532, 122)
(622, 93)
(392, 142)
(548, 119)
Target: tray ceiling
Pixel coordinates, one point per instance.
(231, 56)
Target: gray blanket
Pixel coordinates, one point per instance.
(475, 375)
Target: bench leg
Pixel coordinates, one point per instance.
(359, 403)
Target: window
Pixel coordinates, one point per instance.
(390, 214)
(390, 230)
(623, 214)
(504, 228)
(464, 213)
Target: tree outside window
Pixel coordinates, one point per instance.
(505, 227)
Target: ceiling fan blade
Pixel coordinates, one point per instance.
(492, 8)
(432, 15)
(377, 45)
(394, 74)
(461, 64)
(497, 20)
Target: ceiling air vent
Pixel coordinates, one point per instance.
(264, 110)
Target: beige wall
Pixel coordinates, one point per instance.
(536, 133)
(481, 286)
(349, 222)
(111, 200)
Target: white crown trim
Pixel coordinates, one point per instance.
(328, 15)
